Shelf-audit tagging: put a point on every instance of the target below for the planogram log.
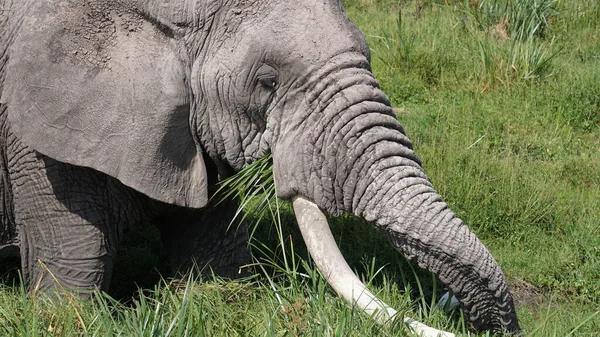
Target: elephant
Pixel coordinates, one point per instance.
(115, 112)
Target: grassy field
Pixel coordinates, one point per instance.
(502, 102)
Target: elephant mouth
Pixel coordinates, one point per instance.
(332, 265)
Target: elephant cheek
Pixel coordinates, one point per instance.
(292, 144)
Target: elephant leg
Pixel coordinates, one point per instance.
(207, 239)
(51, 259)
(9, 247)
(70, 221)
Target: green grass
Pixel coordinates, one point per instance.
(502, 102)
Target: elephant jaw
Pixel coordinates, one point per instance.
(332, 265)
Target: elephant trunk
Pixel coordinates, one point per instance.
(351, 155)
(388, 187)
(415, 220)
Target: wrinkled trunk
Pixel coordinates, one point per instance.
(423, 229)
(391, 190)
(351, 155)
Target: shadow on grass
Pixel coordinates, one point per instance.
(365, 248)
(142, 263)
(10, 273)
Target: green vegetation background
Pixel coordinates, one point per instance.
(502, 102)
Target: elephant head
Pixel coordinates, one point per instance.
(168, 96)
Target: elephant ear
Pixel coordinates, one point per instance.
(106, 89)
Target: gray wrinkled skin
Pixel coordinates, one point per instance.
(114, 112)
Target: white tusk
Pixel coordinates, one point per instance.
(330, 262)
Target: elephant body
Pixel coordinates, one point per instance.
(66, 220)
(71, 219)
(115, 112)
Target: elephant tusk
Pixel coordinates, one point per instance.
(330, 262)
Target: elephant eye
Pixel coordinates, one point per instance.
(268, 82)
(267, 77)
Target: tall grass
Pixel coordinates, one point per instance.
(525, 23)
(519, 19)
(513, 39)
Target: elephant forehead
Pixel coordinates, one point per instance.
(307, 31)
